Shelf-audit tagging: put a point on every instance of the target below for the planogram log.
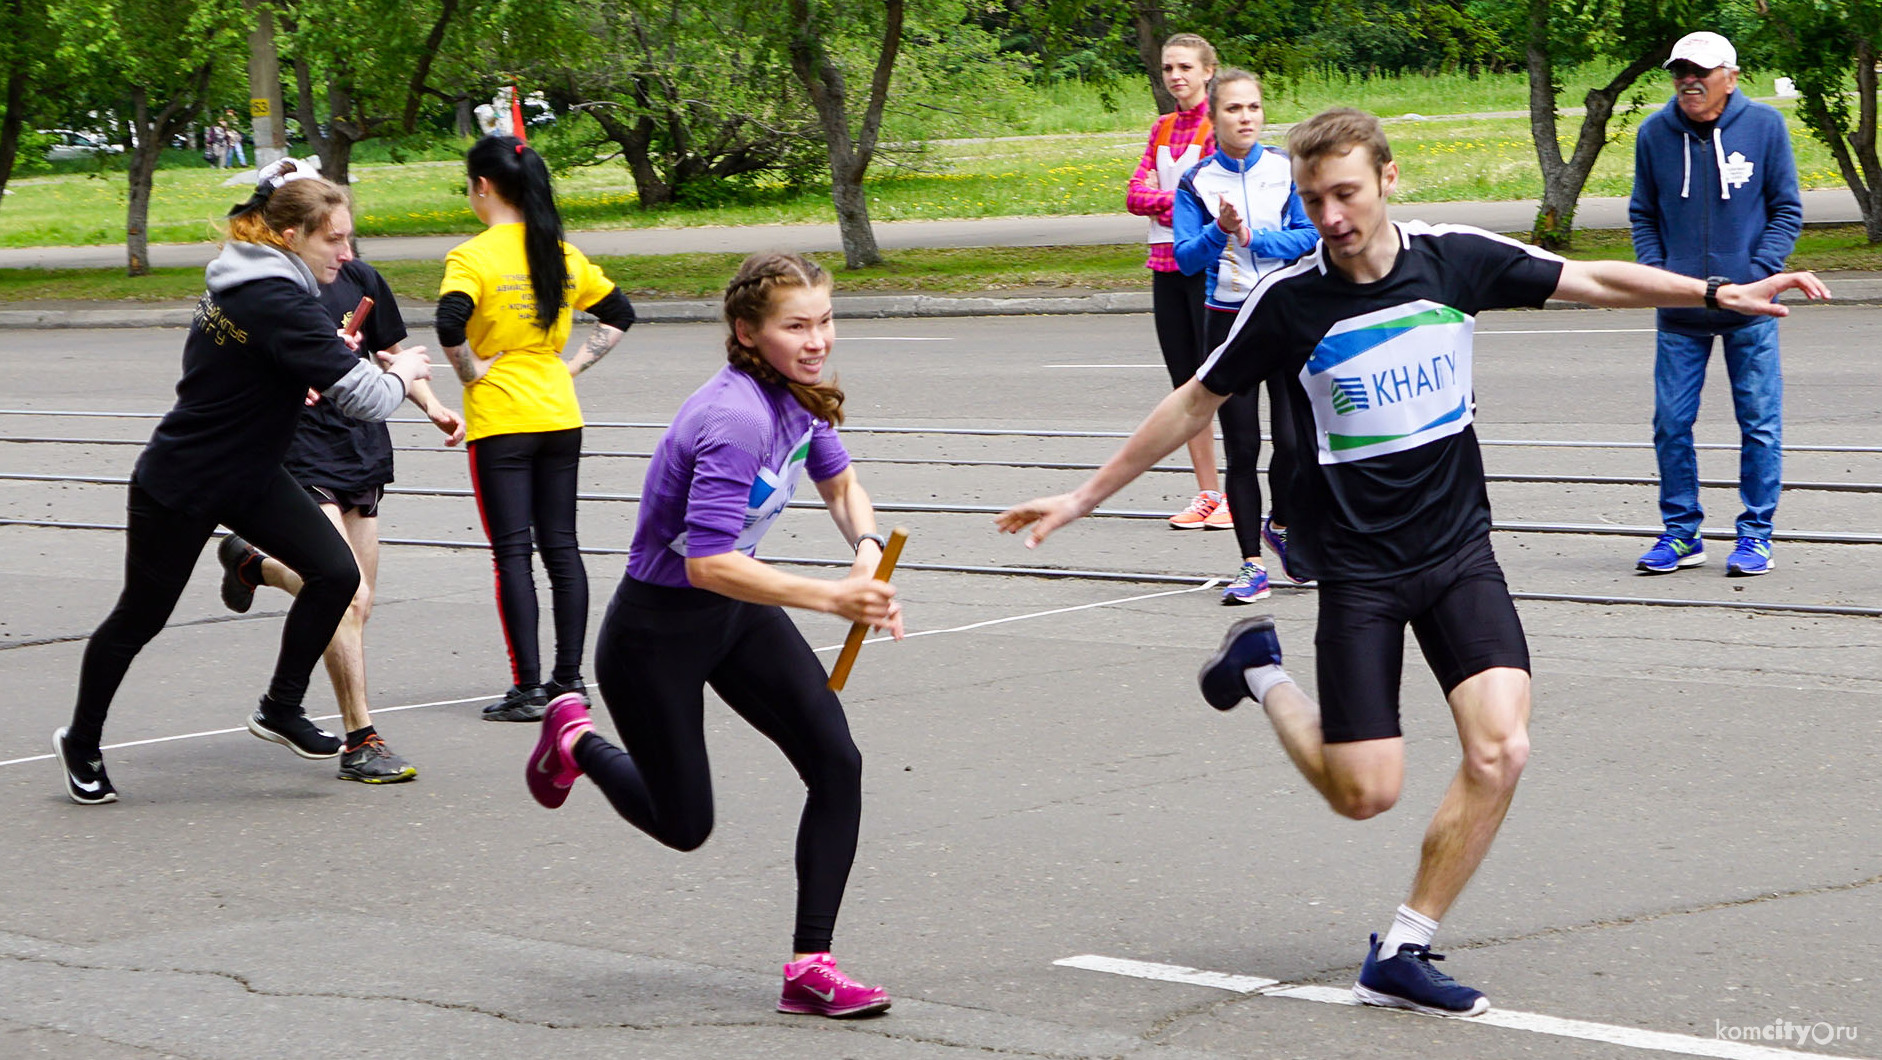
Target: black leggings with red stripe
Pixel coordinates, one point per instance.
(658, 650)
(525, 486)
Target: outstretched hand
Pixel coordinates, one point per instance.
(1043, 514)
(447, 419)
(1760, 298)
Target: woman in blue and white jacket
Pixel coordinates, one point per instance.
(1237, 216)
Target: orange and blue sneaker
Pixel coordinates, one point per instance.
(1196, 516)
(815, 986)
(552, 768)
(1670, 552)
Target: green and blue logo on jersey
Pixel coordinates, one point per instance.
(1390, 380)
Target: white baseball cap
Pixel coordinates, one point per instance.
(1706, 50)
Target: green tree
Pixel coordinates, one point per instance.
(1560, 33)
(158, 56)
(814, 27)
(687, 95)
(25, 36)
(1825, 46)
(370, 60)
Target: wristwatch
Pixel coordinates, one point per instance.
(1713, 283)
(881, 542)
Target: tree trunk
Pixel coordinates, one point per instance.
(466, 117)
(635, 143)
(849, 158)
(1147, 17)
(15, 121)
(421, 67)
(143, 159)
(1564, 178)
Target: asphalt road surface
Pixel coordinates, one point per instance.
(1691, 866)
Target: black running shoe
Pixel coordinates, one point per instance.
(85, 779)
(1250, 642)
(237, 594)
(553, 688)
(519, 704)
(373, 762)
(292, 730)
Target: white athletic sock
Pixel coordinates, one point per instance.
(1262, 678)
(1409, 926)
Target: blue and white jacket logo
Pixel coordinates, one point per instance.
(771, 492)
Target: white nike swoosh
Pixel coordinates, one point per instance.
(826, 996)
(91, 788)
(542, 765)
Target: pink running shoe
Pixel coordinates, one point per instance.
(815, 986)
(552, 769)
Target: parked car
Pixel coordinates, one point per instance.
(70, 143)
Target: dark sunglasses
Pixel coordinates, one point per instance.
(1685, 69)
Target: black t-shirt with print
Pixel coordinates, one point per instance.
(1390, 479)
(332, 449)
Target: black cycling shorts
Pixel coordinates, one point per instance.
(365, 502)
(1459, 609)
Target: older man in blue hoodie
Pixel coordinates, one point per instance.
(1715, 196)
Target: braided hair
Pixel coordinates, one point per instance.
(750, 297)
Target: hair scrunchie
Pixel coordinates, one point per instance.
(272, 176)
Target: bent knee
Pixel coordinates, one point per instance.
(688, 835)
(1498, 761)
(1362, 803)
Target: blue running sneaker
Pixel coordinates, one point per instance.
(1276, 537)
(1407, 980)
(1751, 556)
(1671, 552)
(1250, 584)
(1250, 642)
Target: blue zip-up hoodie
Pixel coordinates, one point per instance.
(1724, 205)
(1261, 187)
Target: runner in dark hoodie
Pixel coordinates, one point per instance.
(260, 339)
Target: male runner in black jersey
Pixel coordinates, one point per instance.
(1372, 332)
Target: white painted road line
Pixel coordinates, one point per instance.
(1533, 1022)
(1210, 584)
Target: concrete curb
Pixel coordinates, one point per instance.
(1864, 290)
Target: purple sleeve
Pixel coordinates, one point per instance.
(716, 500)
(828, 458)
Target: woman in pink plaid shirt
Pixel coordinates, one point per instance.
(1177, 142)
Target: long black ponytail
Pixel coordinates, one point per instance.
(518, 174)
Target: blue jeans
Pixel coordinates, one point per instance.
(1679, 374)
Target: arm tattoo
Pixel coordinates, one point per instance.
(597, 347)
(463, 362)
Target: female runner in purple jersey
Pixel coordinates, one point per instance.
(697, 609)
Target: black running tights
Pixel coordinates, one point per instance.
(525, 483)
(658, 649)
(1240, 416)
(160, 550)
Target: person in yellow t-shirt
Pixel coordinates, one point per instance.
(504, 313)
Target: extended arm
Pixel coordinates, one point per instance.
(858, 598)
(1175, 420)
(1624, 285)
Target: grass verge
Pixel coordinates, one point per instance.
(951, 271)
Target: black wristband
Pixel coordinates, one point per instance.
(1713, 283)
(881, 542)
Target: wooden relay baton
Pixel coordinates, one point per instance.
(853, 644)
(360, 312)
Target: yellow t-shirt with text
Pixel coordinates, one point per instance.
(530, 389)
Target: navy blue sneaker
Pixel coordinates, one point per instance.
(1250, 642)
(1751, 556)
(1407, 980)
(1670, 552)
